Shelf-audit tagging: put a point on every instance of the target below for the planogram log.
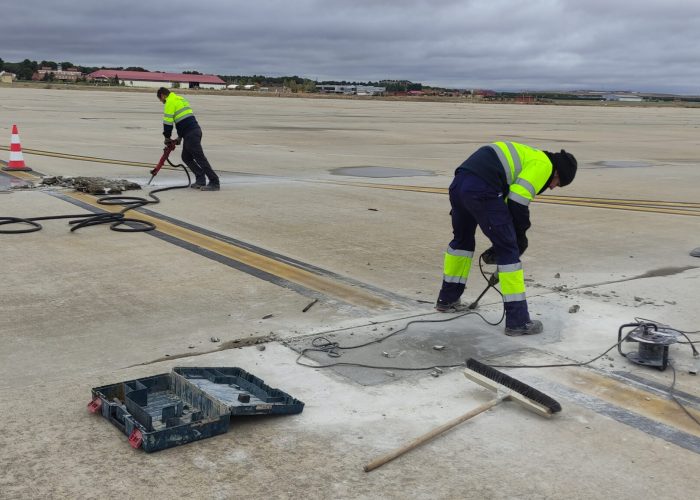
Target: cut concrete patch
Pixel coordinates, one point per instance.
(461, 338)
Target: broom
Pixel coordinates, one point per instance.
(506, 388)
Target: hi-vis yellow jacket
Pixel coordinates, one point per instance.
(177, 111)
(527, 170)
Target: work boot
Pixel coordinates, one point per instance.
(211, 187)
(530, 328)
(198, 184)
(450, 307)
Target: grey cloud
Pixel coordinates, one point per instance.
(503, 44)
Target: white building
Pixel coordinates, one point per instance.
(623, 97)
(351, 89)
(7, 77)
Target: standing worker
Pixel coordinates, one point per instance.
(177, 111)
(493, 189)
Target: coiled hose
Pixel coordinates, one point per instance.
(117, 221)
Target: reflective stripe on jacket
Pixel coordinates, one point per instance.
(177, 111)
(527, 170)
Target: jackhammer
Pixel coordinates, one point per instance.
(169, 148)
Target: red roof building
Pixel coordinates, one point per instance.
(157, 79)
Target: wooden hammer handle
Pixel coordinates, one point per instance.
(378, 462)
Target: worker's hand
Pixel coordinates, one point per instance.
(168, 141)
(489, 256)
(178, 141)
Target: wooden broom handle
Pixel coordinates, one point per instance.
(378, 462)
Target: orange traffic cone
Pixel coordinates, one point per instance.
(16, 159)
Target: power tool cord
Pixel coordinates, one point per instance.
(332, 349)
(117, 220)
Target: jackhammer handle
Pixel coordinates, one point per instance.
(492, 282)
(166, 152)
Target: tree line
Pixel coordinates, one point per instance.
(25, 69)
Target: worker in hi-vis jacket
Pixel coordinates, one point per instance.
(492, 189)
(178, 113)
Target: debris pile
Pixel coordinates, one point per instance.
(91, 185)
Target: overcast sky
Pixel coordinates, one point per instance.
(648, 45)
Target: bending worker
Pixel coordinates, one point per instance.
(493, 189)
(177, 112)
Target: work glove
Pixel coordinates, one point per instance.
(168, 141)
(489, 256)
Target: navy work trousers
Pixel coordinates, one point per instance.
(193, 156)
(475, 202)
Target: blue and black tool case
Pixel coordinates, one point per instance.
(186, 404)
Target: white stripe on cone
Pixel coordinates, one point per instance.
(16, 158)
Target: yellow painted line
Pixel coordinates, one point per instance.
(67, 156)
(327, 286)
(629, 205)
(21, 174)
(616, 392)
(679, 204)
(630, 208)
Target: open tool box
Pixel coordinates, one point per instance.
(186, 404)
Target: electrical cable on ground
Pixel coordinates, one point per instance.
(332, 349)
(322, 344)
(117, 220)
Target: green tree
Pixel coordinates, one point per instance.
(48, 64)
(25, 69)
(2, 64)
(308, 86)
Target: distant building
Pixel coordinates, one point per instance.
(351, 89)
(67, 75)
(623, 97)
(7, 77)
(157, 79)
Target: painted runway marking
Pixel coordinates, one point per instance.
(256, 261)
(653, 206)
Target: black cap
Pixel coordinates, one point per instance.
(565, 164)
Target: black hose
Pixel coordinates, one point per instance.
(117, 221)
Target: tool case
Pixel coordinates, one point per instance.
(186, 404)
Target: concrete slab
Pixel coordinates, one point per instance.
(93, 307)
